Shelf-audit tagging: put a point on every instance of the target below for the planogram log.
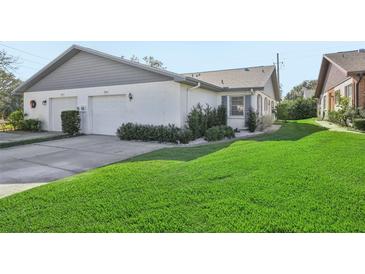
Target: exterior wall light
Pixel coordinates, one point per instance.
(130, 96)
(44, 102)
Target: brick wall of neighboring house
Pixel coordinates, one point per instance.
(362, 93)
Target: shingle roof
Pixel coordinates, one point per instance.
(350, 61)
(251, 77)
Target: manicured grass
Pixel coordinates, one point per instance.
(300, 179)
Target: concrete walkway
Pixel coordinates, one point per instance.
(26, 166)
(334, 127)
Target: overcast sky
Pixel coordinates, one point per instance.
(301, 60)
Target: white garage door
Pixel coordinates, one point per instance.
(57, 106)
(108, 113)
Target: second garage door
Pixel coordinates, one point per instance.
(107, 113)
(57, 106)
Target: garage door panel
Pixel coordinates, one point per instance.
(57, 106)
(108, 113)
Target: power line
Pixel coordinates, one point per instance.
(20, 50)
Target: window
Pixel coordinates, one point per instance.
(348, 92)
(237, 106)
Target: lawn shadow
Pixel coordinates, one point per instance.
(290, 131)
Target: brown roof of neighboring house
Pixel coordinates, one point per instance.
(350, 62)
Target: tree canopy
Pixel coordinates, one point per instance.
(8, 82)
(297, 91)
(148, 60)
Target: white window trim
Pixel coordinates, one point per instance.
(230, 104)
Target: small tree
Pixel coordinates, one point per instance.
(252, 121)
(282, 111)
(16, 119)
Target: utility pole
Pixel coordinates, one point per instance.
(278, 67)
(278, 63)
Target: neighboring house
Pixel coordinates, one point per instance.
(308, 93)
(110, 91)
(341, 73)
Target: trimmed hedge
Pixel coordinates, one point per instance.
(32, 125)
(170, 133)
(219, 133)
(359, 123)
(70, 122)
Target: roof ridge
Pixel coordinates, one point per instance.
(228, 69)
(346, 51)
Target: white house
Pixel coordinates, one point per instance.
(109, 91)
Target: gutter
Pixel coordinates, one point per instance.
(187, 95)
(357, 90)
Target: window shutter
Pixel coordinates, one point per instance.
(247, 107)
(224, 101)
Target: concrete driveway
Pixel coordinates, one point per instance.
(23, 167)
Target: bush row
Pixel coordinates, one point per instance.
(297, 109)
(346, 115)
(161, 133)
(17, 121)
(202, 118)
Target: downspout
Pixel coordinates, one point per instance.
(357, 90)
(187, 96)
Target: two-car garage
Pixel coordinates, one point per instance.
(103, 115)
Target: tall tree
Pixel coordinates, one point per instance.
(8, 82)
(148, 60)
(297, 91)
(151, 61)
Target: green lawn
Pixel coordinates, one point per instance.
(300, 179)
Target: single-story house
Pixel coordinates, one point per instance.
(308, 93)
(341, 72)
(110, 90)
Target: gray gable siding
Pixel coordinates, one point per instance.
(88, 70)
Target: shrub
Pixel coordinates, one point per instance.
(344, 115)
(169, 133)
(15, 119)
(282, 111)
(214, 134)
(31, 125)
(201, 118)
(196, 121)
(296, 109)
(334, 117)
(222, 115)
(252, 121)
(359, 123)
(185, 136)
(70, 122)
(228, 132)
